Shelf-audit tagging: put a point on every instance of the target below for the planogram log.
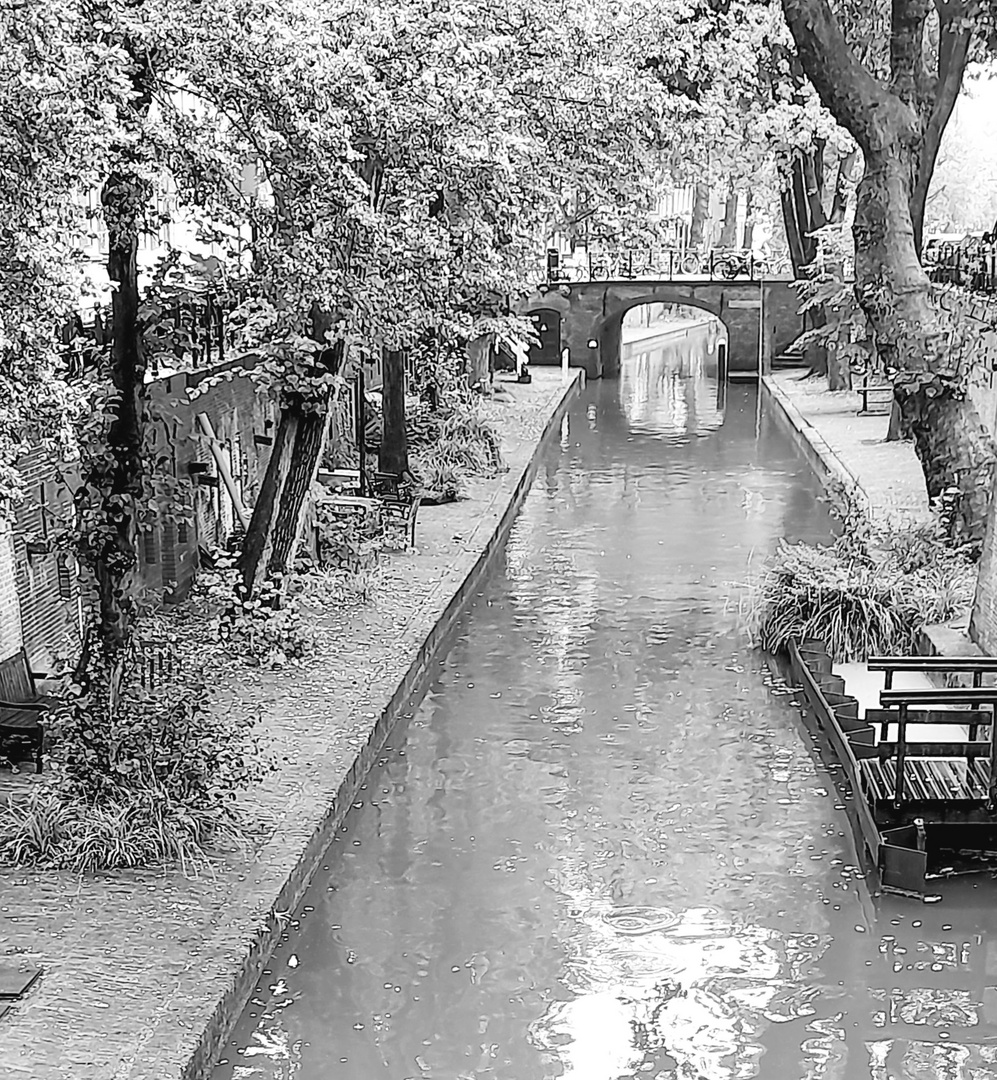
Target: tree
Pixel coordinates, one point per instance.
(412, 169)
(898, 125)
(54, 89)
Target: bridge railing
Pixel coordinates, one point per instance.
(632, 264)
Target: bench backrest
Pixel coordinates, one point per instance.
(932, 663)
(966, 696)
(16, 683)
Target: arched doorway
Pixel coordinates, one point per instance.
(547, 327)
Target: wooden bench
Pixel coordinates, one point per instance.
(21, 706)
(877, 397)
(940, 771)
(399, 506)
(977, 666)
(347, 480)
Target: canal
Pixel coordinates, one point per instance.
(603, 846)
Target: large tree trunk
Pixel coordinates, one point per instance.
(309, 438)
(275, 527)
(839, 205)
(955, 451)
(700, 213)
(478, 353)
(793, 236)
(117, 484)
(898, 125)
(258, 542)
(728, 231)
(748, 242)
(839, 371)
(393, 453)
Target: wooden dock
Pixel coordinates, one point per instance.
(922, 809)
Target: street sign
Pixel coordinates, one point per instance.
(744, 303)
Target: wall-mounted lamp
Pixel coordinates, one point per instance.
(593, 344)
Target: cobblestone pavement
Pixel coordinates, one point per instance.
(138, 966)
(885, 478)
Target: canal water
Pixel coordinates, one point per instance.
(603, 846)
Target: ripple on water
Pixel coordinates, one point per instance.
(640, 920)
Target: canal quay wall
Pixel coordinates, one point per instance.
(143, 974)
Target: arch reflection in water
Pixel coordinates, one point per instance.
(669, 386)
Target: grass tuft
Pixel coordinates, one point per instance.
(464, 445)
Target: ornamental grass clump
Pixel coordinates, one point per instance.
(464, 446)
(865, 593)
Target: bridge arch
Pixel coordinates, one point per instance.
(761, 317)
(609, 331)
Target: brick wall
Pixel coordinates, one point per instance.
(40, 600)
(10, 612)
(47, 586)
(243, 421)
(971, 319)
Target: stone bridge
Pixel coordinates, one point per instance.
(587, 317)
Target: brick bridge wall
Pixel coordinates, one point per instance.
(591, 317)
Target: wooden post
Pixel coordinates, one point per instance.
(992, 793)
(973, 728)
(360, 418)
(884, 733)
(393, 456)
(901, 754)
(224, 471)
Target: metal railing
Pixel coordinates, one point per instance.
(634, 264)
(971, 264)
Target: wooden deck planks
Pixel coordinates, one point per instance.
(928, 779)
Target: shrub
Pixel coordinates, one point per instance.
(265, 630)
(867, 592)
(137, 777)
(348, 544)
(137, 830)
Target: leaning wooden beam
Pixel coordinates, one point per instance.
(224, 471)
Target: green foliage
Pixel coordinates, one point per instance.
(137, 776)
(347, 544)
(866, 592)
(265, 630)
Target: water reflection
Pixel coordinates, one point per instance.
(668, 386)
(602, 846)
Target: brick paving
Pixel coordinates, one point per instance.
(138, 966)
(884, 478)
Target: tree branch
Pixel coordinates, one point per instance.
(953, 54)
(907, 19)
(859, 102)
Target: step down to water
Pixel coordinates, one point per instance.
(15, 981)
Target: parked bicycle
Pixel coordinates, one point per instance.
(735, 264)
